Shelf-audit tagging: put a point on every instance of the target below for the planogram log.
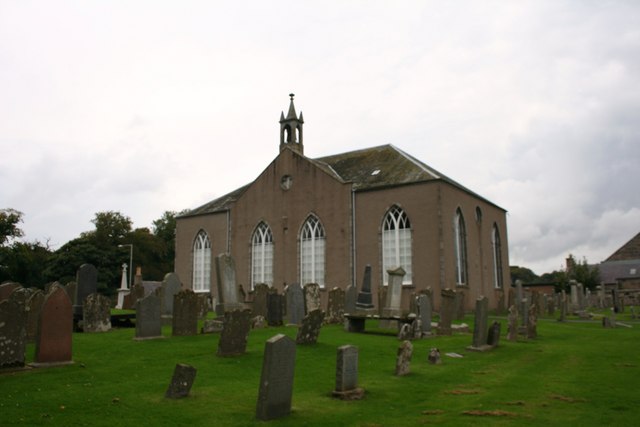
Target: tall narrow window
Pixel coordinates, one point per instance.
(396, 244)
(497, 257)
(202, 263)
(262, 255)
(312, 247)
(460, 243)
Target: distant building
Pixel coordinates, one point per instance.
(323, 220)
(622, 268)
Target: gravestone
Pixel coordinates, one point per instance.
(459, 313)
(403, 359)
(86, 284)
(480, 331)
(96, 313)
(580, 296)
(424, 312)
(181, 381)
(235, 330)
(393, 302)
(365, 299)
(574, 295)
(171, 285)
(311, 297)
(259, 307)
(335, 306)
(295, 303)
(227, 288)
(6, 289)
(512, 329)
(350, 298)
(405, 332)
(501, 306)
(447, 311)
(347, 374)
(276, 380)
(532, 323)
(434, 356)
(563, 307)
(519, 296)
(185, 313)
(203, 305)
(55, 326)
(210, 326)
(34, 304)
(382, 298)
(493, 337)
(275, 308)
(309, 330)
(148, 319)
(13, 333)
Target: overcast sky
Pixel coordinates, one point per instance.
(147, 106)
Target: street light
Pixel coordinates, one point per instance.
(130, 261)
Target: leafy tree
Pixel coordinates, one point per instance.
(523, 274)
(165, 229)
(111, 228)
(22, 262)
(582, 272)
(9, 219)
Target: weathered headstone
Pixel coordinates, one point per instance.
(403, 359)
(227, 288)
(171, 285)
(459, 305)
(148, 321)
(393, 302)
(382, 298)
(424, 312)
(295, 303)
(501, 307)
(185, 313)
(532, 323)
(259, 307)
(55, 326)
(275, 308)
(335, 306)
(405, 332)
(13, 333)
(203, 305)
(311, 297)
(181, 381)
(276, 380)
(512, 330)
(563, 307)
(347, 374)
(434, 356)
(480, 331)
(447, 309)
(34, 304)
(210, 326)
(235, 330)
(365, 299)
(96, 313)
(493, 337)
(309, 330)
(519, 296)
(574, 295)
(86, 284)
(350, 298)
(6, 289)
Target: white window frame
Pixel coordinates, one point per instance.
(396, 244)
(262, 255)
(496, 244)
(460, 247)
(201, 263)
(312, 252)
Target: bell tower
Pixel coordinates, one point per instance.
(291, 129)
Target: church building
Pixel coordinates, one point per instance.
(323, 220)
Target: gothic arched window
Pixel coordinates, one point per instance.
(460, 245)
(396, 243)
(312, 248)
(497, 257)
(262, 255)
(201, 263)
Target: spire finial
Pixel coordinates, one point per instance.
(292, 95)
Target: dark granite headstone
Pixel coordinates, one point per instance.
(309, 331)
(295, 303)
(459, 313)
(365, 298)
(275, 308)
(350, 298)
(335, 306)
(424, 311)
(493, 337)
(96, 313)
(148, 320)
(55, 326)
(86, 284)
(13, 333)
(480, 330)
(235, 330)
(447, 311)
(276, 380)
(185, 313)
(259, 308)
(403, 359)
(181, 382)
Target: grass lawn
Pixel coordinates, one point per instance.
(575, 373)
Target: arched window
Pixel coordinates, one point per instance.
(396, 243)
(201, 263)
(312, 247)
(262, 255)
(497, 257)
(460, 243)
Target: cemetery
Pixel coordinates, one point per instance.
(569, 365)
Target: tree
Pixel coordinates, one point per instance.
(165, 229)
(582, 272)
(9, 219)
(23, 262)
(111, 228)
(523, 274)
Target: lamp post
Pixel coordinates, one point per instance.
(130, 261)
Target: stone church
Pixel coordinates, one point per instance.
(323, 220)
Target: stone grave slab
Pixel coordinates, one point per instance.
(276, 381)
(55, 327)
(309, 330)
(235, 330)
(181, 381)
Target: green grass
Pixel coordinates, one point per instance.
(575, 373)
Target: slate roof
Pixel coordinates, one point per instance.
(629, 251)
(366, 169)
(612, 271)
